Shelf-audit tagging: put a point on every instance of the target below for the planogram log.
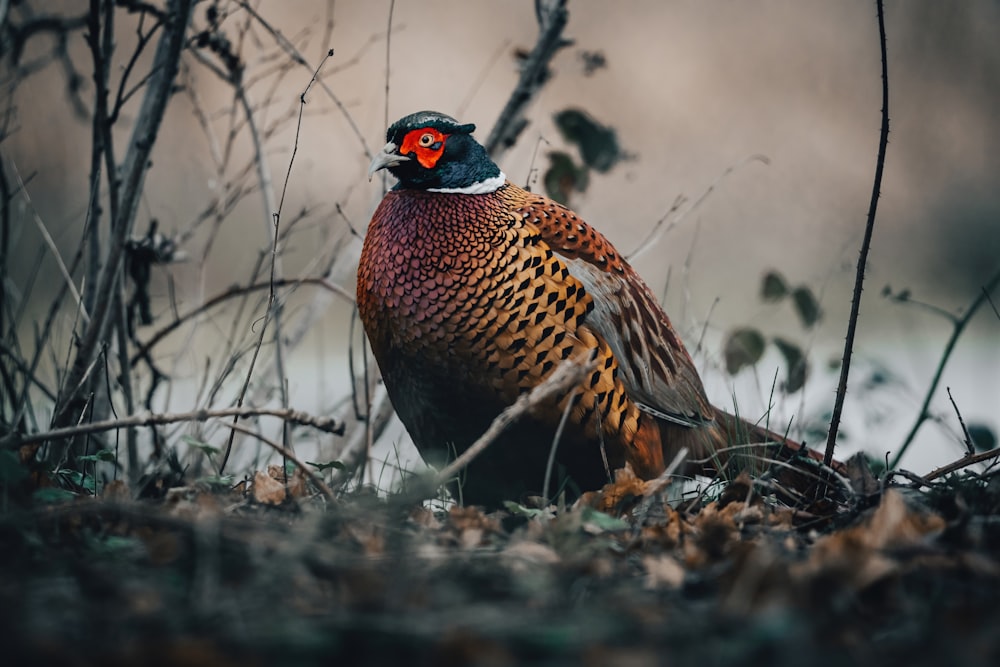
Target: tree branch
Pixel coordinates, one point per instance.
(133, 172)
(326, 424)
(852, 322)
(552, 19)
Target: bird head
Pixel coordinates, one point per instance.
(428, 150)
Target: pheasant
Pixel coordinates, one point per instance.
(472, 290)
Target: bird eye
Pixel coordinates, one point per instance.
(426, 139)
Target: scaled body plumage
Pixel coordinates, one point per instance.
(472, 290)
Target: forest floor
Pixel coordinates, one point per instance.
(273, 572)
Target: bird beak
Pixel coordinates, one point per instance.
(387, 157)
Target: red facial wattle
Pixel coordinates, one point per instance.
(426, 143)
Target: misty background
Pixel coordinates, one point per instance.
(694, 90)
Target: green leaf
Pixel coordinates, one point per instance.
(983, 437)
(116, 545)
(598, 143)
(11, 470)
(52, 494)
(217, 481)
(595, 519)
(105, 455)
(78, 479)
(795, 362)
(563, 177)
(773, 287)
(744, 347)
(806, 306)
(339, 465)
(520, 510)
(209, 450)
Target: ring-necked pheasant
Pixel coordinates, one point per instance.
(472, 289)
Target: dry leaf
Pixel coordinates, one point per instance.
(369, 536)
(471, 527)
(267, 490)
(860, 556)
(296, 484)
(666, 534)
(116, 491)
(615, 496)
(663, 572)
(526, 553)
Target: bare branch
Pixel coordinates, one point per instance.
(963, 462)
(288, 454)
(552, 19)
(326, 424)
(133, 172)
(956, 333)
(852, 323)
(568, 374)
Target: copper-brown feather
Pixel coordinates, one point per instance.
(472, 290)
(471, 300)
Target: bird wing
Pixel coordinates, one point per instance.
(657, 369)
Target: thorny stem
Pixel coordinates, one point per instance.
(852, 322)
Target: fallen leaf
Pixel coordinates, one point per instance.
(618, 495)
(117, 491)
(267, 490)
(663, 572)
(527, 552)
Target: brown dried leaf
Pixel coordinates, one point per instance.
(860, 556)
(616, 496)
(896, 525)
(715, 533)
(163, 547)
(267, 490)
(424, 518)
(471, 526)
(663, 572)
(859, 473)
(738, 490)
(667, 534)
(526, 554)
(369, 536)
(116, 491)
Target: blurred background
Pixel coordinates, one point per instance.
(746, 137)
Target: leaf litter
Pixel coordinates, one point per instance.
(269, 571)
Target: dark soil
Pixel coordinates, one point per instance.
(203, 577)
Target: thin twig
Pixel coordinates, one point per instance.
(852, 322)
(253, 361)
(568, 374)
(959, 328)
(132, 174)
(970, 449)
(290, 49)
(550, 464)
(49, 242)
(355, 450)
(231, 293)
(388, 56)
(989, 299)
(656, 485)
(963, 462)
(287, 454)
(660, 227)
(326, 424)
